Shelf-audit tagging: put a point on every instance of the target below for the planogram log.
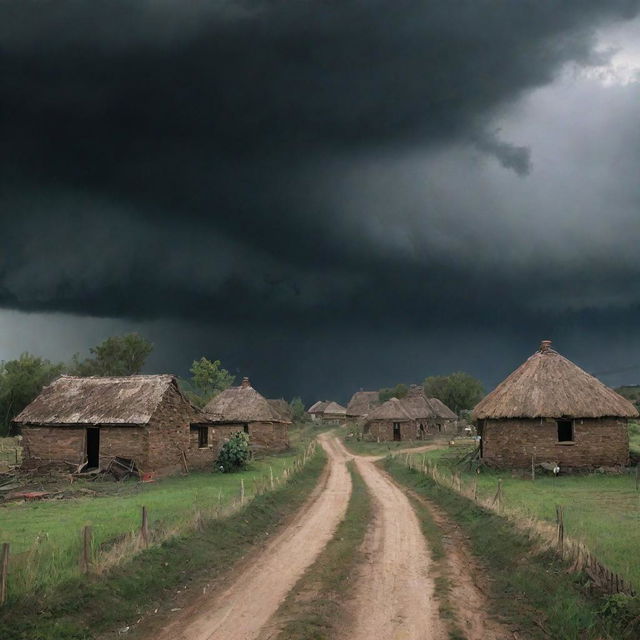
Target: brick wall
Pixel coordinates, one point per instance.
(263, 436)
(50, 444)
(596, 442)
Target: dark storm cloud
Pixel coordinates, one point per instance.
(167, 160)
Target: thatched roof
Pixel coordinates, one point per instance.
(362, 403)
(441, 409)
(548, 385)
(318, 407)
(334, 409)
(393, 409)
(241, 404)
(69, 400)
(281, 406)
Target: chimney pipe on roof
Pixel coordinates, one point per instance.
(245, 383)
(545, 345)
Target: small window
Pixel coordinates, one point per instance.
(246, 428)
(203, 437)
(565, 430)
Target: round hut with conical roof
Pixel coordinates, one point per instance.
(244, 409)
(550, 410)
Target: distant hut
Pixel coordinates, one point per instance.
(446, 421)
(361, 404)
(244, 409)
(281, 407)
(334, 413)
(91, 421)
(316, 410)
(392, 420)
(550, 410)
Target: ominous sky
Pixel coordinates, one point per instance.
(327, 195)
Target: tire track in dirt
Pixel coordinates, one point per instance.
(394, 594)
(243, 609)
(465, 576)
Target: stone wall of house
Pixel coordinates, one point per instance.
(596, 442)
(52, 444)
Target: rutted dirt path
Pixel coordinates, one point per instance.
(243, 609)
(394, 596)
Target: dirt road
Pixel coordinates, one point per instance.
(394, 595)
(242, 610)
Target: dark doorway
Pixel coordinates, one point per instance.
(421, 432)
(203, 437)
(93, 448)
(565, 430)
(397, 436)
(246, 428)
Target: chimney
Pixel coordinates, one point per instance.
(545, 345)
(245, 383)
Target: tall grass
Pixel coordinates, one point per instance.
(45, 537)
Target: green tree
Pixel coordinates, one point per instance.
(399, 391)
(458, 390)
(207, 380)
(234, 453)
(297, 409)
(116, 356)
(21, 381)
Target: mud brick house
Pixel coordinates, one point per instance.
(361, 404)
(414, 417)
(392, 420)
(334, 413)
(92, 420)
(316, 410)
(550, 410)
(244, 409)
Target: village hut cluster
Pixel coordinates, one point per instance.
(144, 420)
(550, 410)
(414, 417)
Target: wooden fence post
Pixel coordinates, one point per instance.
(241, 491)
(533, 468)
(475, 490)
(86, 549)
(271, 477)
(560, 522)
(4, 572)
(144, 528)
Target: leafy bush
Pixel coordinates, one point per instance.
(234, 454)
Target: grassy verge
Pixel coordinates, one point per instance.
(600, 510)
(83, 608)
(313, 609)
(634, 438)
(529, 589)
(45, 536)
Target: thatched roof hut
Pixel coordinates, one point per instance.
(241, 404)
(553, 410)
(244, 408)
(548, 385)
(99, 420)
(70, 400)
(362, 403)
(334, 412)
(317, 408)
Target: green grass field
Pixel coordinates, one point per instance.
(45, 536)
(10, 451)
(603, 511)
(634, 438)
(364, 448)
